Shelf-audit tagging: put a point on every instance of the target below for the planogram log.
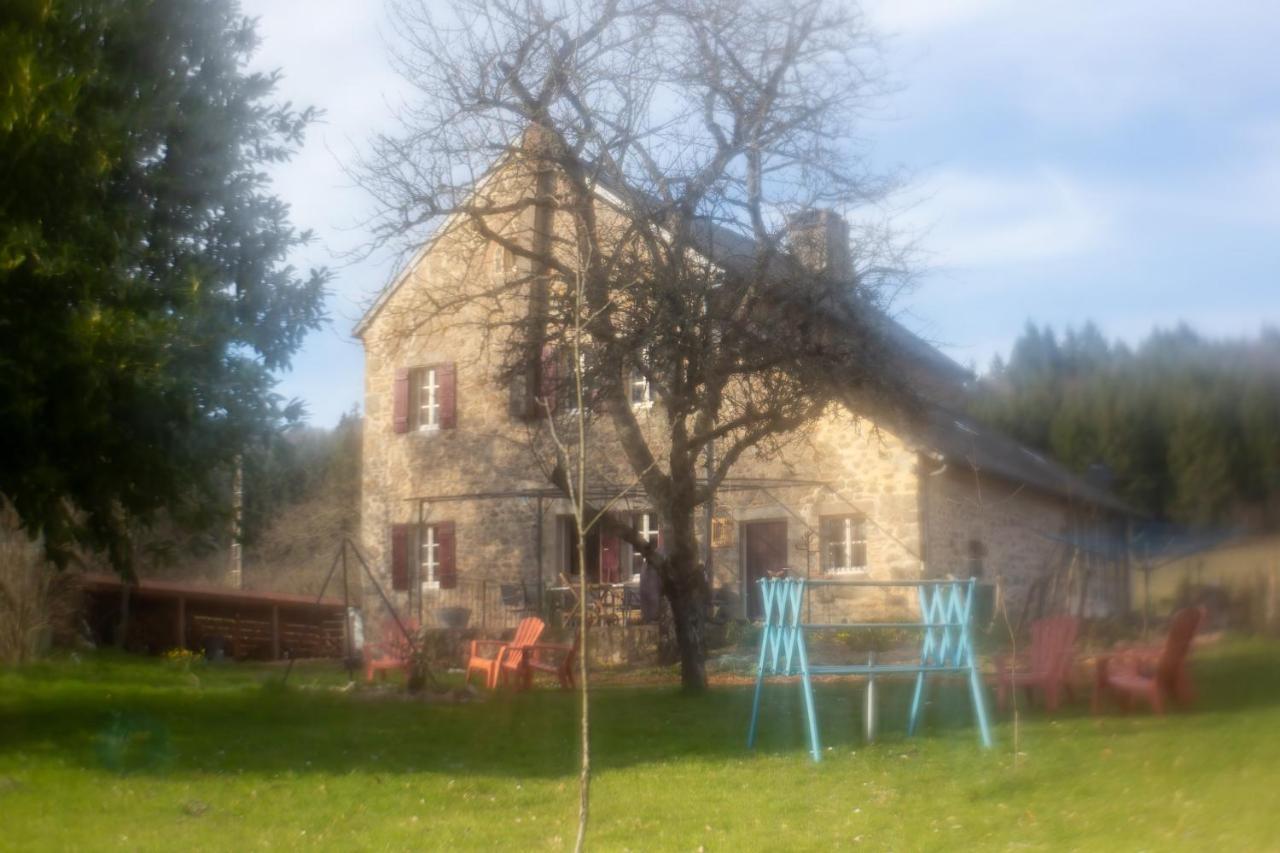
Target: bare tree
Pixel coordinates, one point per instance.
(660, 149)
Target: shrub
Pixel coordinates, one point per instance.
(742, 634)
(24, 592)
(37, 603)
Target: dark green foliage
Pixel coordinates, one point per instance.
(1186, 427)
(304, 464)
(145, 298)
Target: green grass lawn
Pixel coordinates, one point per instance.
(113, 752)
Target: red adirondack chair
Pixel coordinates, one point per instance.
(509, 660)
(1047, 668)
(1152, 674)
(393, 652)
(541, 659)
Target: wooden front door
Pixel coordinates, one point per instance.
(764, 547)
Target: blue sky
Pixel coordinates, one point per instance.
(1108, 161)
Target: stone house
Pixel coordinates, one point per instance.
(456, 512)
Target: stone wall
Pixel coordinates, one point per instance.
(911, 531)
(484, 453)
(1015, 536)
(869, 472)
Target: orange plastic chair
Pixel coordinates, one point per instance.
(1153, 674)
(509, 660)
(1053, 641)
(393, 652)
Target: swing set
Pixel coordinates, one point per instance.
(946, 608)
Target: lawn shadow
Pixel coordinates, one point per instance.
(150, 725)
(270, 730)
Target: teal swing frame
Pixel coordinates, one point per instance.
(946, 610)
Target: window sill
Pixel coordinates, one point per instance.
(852, 570)
(431, 586)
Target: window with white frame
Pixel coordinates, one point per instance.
(501, 260)
(429, 558)
(426, 406)
(641, 391)
(844, 544)
(646, 526)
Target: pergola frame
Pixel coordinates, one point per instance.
(601, 492)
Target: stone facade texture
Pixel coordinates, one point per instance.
(921, 520)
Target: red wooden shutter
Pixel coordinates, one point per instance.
(447, 378)
(550, 385)
(446, 555)
(400, 556)
(610, 558)
(400, 405)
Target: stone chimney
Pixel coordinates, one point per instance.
(819, 240)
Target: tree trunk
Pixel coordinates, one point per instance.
(122, 626)
(687, 592)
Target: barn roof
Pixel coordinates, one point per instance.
(208, 592)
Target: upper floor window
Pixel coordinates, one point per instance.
(844, 544)
(501, 261)
(425, 398)
(558, 387)
(426, 409)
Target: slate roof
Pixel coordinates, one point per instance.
(954, 436)
(963, 441)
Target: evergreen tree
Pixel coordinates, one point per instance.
(1188, 427)
(145, 297)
